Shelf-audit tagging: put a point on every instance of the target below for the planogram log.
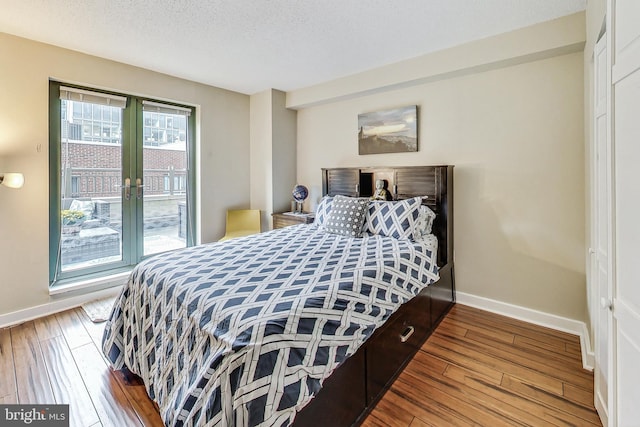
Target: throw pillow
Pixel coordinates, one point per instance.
(322, 211)
(393, 219)
(424, 223)
(346, 216)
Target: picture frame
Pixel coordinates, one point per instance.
(388, 131)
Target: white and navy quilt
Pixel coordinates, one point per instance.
(243, 333)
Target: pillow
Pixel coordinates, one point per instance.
(86, 207)
(393, 219)
(424, 223)
(346, 216)
(323, 209)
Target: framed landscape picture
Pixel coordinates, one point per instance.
(388, 131)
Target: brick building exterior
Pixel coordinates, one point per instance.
(94, 169)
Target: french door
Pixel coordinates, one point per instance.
(121, 180)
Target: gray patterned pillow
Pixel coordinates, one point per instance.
(346, 216)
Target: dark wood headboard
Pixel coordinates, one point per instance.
(433, 183)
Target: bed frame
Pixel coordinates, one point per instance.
(355, 387)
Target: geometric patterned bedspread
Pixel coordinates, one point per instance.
(243, 333)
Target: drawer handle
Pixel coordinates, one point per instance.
(407, 334)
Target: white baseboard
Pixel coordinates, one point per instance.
(536, 317)
(601, 408)
(56, 306)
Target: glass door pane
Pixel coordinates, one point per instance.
(164, 157)
(91, 175)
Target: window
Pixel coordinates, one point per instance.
(118, 192)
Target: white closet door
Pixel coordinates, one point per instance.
(601, 233)
(626, 132)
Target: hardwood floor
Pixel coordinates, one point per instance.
(477, 368)
(57, 359)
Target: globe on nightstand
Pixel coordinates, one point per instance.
(300, 194)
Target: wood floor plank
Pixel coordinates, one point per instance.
(94, 329)
(460, 359)
(391, 415)
(506, 323)
(452, 401)
(527, 411)
(438, 365)
(469, 356)
(417, 422)
(68, 386)
(9, 399)
(47, 327)
(73, 329)
(31, 373)
(452, 328)
(560, 352)
(556, 402)
(573, 348)
(456, 398)
(7, 369)
(109, 400)
(490, 325)
(498, 335)
(544, 364)
(373, 421)
(424, 408)
(459, 374)
(579, 395)
(514, 326)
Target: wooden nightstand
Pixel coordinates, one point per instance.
(285, 219)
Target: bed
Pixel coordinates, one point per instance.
(271, 329)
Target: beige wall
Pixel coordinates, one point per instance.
(27, 66)
(284, 152)
(273, 154)
(515, 135)
(261, 156)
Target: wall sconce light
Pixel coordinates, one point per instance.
(12, 180)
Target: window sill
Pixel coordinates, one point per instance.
(90, 284)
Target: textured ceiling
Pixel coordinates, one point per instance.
(252, 45)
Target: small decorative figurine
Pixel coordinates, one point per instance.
(381, 193)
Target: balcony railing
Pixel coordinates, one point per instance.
(107, 182)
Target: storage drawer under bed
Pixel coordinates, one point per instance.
(396, 342)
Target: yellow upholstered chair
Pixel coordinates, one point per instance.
(242, 222)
